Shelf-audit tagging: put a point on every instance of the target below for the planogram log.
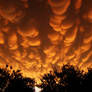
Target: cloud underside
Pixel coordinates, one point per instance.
(34, 39)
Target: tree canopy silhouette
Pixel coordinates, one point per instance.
(88, 81)
(49, 83)
(69, 79)
(15, 82)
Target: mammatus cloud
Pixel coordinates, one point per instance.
(67, 20)
(35, 36)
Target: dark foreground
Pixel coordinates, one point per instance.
(69, 79)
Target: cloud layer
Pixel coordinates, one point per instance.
(35, 36)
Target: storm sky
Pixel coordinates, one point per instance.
(37, 35)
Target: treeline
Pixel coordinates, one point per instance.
(69, 79)
(13, 81)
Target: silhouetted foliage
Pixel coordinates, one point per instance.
(15, 82)
(4, 79)
(48, 83)
(69, 79)
(88, 81)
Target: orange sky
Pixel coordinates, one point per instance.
(36, 35)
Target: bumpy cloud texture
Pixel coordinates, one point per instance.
(36, 35)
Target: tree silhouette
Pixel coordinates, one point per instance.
(20, 84)
(67, 80)
(15, 82)
(70, 78)
(4, 79)
(87, 87)
(49, 83)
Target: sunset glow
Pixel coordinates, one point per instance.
(37, 35)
